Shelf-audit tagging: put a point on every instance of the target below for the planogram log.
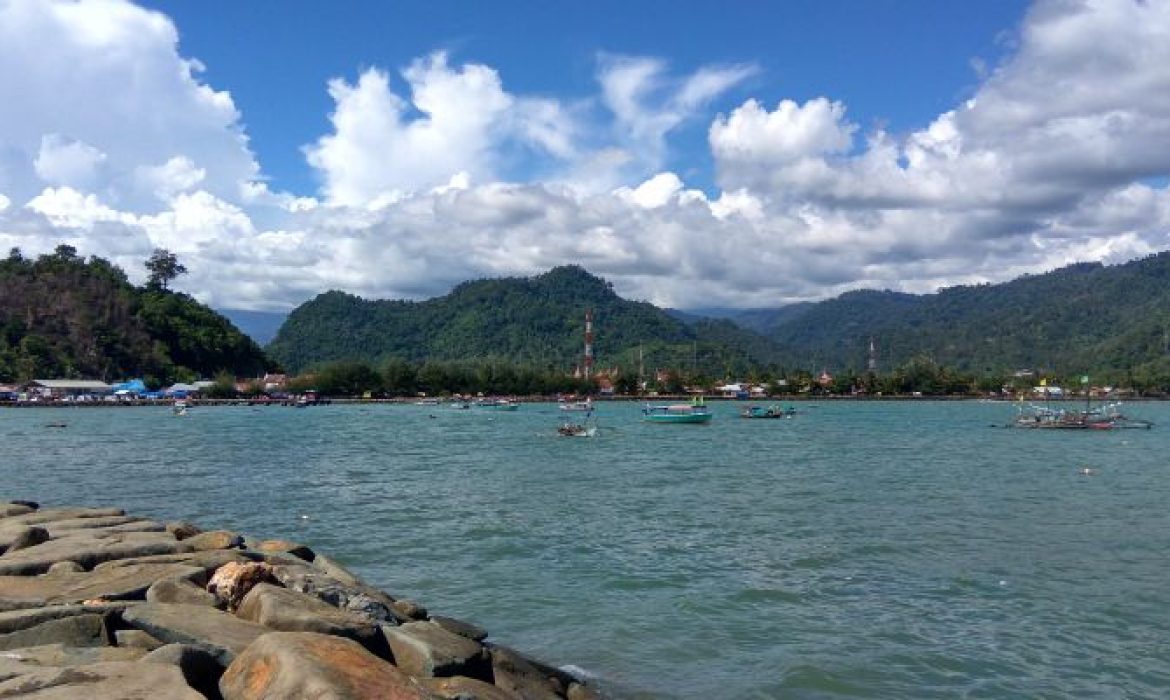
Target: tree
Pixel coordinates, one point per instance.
(164, 266)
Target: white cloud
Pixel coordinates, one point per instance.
(110, 141)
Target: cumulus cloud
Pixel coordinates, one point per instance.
(111, 141)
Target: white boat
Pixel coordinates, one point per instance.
(179, 407)
(585, 406)
(694, 412)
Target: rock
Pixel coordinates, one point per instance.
(299, 551)
(66, 655)
(27, 537)
(335, 571)
(409, 609)
(182, 529)
(121, 583)
(580, 691)
(356, 597)
(136, 639)
(307, 665)
(86, 550)
(209, 561)
(13, 508)
(461, 628)
(200, 668)
(60, 527)
(64, 567)
(176, 590)
(288, 611)
(232, 581)
(221, 634)
(463, 688)
(527, 677)
(51, 514)
(85, 630)
(13, 620)
(217, 539)
(114, 679)
(426, 650)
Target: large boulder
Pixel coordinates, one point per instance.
(8, 510)
(85, 630)
(68, 655)
(114, 679)
(288, 611)
(13, 620)
(528, 677)
(199, 667)
(307, 665)
(87, 550)
(355, 597)
(462, 688)
(426, 650)
(24, 537)
(217, 539)
(177, 590)
(222, 634)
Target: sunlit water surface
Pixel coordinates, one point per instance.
(884, 550)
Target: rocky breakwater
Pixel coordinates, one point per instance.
(95, 603)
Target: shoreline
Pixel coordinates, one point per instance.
(98, 603)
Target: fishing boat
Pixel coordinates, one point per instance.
(576, 406)
(179, 407)
(1107, 417)
(498, 404)
(772, 411)
(694, 412)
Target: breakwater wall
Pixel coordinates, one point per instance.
(95, 603)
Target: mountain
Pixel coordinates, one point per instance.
(1085, 318)
(260, 326)
(65, 316)
(537, 321)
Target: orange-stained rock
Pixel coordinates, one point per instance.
(216, 539)
(299, 551)
(464, 688)
(309, 665)
(232, 581)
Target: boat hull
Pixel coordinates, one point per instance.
(677, 418)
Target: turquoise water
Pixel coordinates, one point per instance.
(880, 550)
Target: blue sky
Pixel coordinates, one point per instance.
(895, 62)
(694, 155)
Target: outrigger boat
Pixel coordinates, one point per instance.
(498, 404)
(694, 412)
(767, 412)
(576, 406)
(1107, 417)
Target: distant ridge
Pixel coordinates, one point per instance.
(260, 326)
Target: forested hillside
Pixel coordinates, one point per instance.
(537, 321)
(64, 316)
(1085, 318)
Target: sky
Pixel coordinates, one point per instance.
(694, 154)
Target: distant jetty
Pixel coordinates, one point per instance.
(95, 603)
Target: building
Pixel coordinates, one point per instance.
(60, 388)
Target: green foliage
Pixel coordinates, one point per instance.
(533, 322)
(64, 316)
(164, 267)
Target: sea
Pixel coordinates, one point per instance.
(861, 549)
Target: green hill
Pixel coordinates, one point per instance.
(537, 321)
(1110, 321)
(63, 316)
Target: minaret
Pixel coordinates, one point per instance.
(872, 364)
(588, 344)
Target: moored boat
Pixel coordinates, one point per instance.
(498, 404)
(694, 412)
(772, 411)
(1107, 417)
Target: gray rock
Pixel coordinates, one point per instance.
(299, 551)
(114, 679)
(27, 537)
(335, 571)
(221, 634)
(122, 583)
(59, 528)
(528, 677)
(87, 550)
(409, 609)
(208, 561)
(463, 688)
(306, 665)
(50, 514)
(426, 650)
(175, 590)
(136, 639)
(217, 539)
(66, 655)
(85, 630)
(183, 529)
(461, 628)
(13, 620)
(8, 510)
(199, 667)
(580, 691)
(356, 597)
(64, 567)
(288, 611)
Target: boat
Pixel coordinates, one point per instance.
(179, 407)
(1106, 417)
(576, 406)
(772, 411)
(584, 429)
(427, 402)
(694, 412)
(498, 404)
